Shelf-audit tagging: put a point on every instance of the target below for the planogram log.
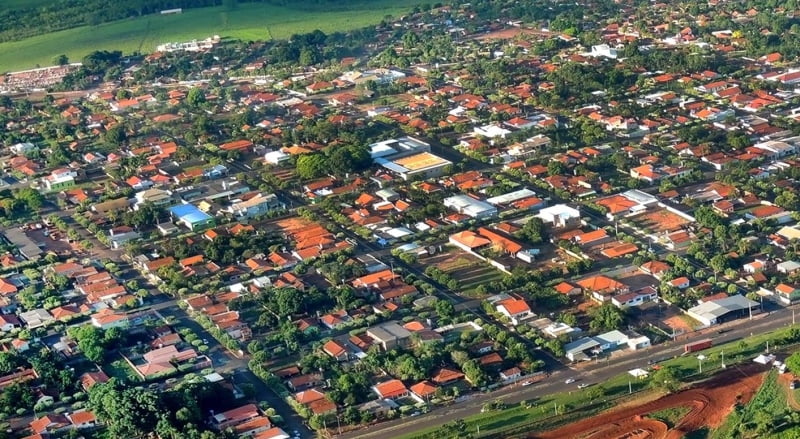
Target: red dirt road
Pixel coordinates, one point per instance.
(709, 403)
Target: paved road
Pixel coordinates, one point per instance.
(589, 374)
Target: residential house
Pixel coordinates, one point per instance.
(424, 389)
(514, 309)
(680, 283)
(234, 417)
(567, 289)
(336, 350)
(255, 205)
(82, 419)
(654, 268)
(446, 375)
(635, 298)
(511, 374)
(306, 381)
(787, 267)
(787, 293)
(602, 288)
(390, 335)
(392, 389)
(50, 423)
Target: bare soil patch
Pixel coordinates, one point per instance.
(709, 403)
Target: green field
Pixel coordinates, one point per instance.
(253, 21)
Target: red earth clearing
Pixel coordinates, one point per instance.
(708, 402)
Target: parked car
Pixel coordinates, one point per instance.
(583, 386)
(569, 381)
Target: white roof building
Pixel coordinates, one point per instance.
(469, 206)
(511, 197)
(715, 311)
(491, 131)
(559, 215)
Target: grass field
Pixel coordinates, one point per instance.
(254, 21)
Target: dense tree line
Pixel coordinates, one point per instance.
(136, 412)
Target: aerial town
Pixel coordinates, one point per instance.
(466, 222)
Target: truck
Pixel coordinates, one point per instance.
(697, 346)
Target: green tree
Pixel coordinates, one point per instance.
(115, 135)
(32, 198)
(310, 166)
(606, 318)
(718, 263)
(10, 361)
(534, 231)
(667, 378)
(445, 309)
(127, 412)
(196, 97)
(61, 60)
(90, 342)
(793, 363)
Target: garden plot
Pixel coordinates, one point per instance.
(467, 270)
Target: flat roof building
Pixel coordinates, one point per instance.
(721, 310)
(469, 206)
(191, 216)
(424, 164)
(390, 335)
(560, 215)
(27, 248)
(393, 149)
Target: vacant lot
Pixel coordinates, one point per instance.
(507, 34)
(658, 221)
(254, 21)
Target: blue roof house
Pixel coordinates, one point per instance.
(191, 217)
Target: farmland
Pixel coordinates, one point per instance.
(254, 21)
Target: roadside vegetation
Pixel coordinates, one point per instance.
(552, 411)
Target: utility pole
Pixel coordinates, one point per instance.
(630, 388)
(723, 358)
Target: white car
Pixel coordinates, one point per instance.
(527, 383)
(569, 381)
(583, 386)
